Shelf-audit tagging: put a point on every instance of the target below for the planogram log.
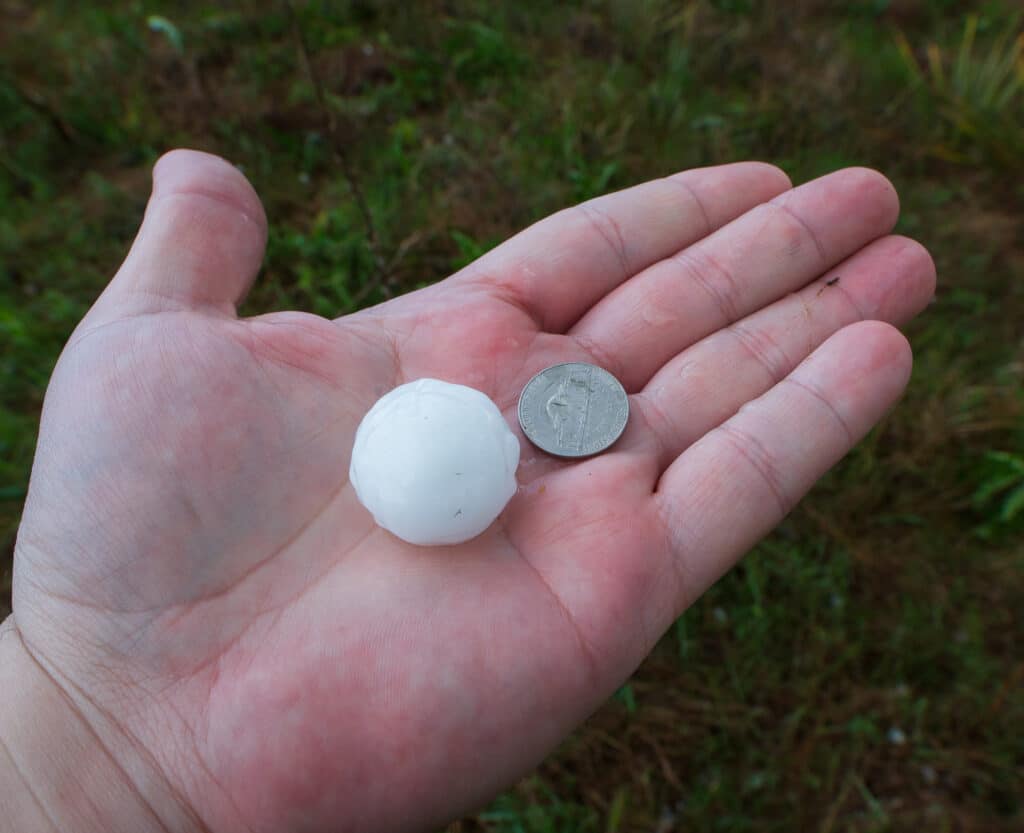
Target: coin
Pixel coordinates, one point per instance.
(573, 410)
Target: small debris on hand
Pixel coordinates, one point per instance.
(828, 283)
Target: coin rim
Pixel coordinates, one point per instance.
(615, 439)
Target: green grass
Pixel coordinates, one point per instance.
(862, 669)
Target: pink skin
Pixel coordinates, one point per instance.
(193, 568)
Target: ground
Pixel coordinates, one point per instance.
(862, 669)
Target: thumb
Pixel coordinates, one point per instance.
(201, 241)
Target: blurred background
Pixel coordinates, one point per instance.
(863, 669)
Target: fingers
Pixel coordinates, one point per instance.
(769, 251)
(560, 267)
(201, 241)
(891, 280)
(736, 483)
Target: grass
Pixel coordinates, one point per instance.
(862, 670)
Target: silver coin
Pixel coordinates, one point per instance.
(573, 410)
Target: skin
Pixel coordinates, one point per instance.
(201, 604)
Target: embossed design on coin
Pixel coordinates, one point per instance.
(573, 410)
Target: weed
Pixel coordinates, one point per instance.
(977, 91)
(1000, 494)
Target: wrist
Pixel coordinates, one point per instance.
(56, 774)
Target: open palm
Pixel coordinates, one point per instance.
(193, 568)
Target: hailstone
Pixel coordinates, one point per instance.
(434, 463)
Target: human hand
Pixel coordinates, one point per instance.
(197, 580)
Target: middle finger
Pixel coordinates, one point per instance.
(771, 250)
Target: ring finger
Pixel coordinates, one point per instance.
(890, 280)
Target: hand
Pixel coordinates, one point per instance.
(195, 575)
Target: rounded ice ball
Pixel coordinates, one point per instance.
(434, 462)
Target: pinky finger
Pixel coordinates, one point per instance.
(735, 484)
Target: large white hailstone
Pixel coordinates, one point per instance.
(435, 463)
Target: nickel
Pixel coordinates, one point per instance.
(573, 410)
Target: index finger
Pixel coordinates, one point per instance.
(558, 268)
